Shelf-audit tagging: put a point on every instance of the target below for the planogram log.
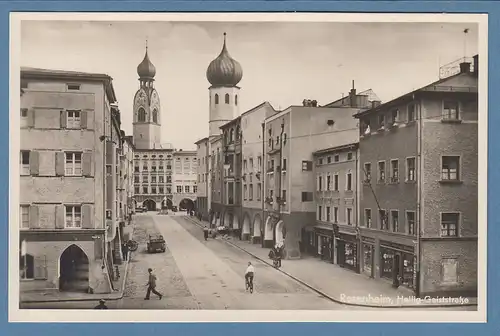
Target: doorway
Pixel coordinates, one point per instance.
(74, 270)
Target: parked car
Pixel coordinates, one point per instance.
(156, 244)
(174, 208)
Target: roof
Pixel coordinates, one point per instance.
(187, 152)
(434, 87)
(65, 74)
(372, 96)
(257, 107)
(229, 123)
(337, 148)
(201, 140)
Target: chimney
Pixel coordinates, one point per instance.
(465, 67)
(476, 65)
(352, 96)
(375, 103)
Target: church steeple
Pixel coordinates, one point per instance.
(146, 70)
(224, 70)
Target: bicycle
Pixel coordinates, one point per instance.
(249, 283)
(132, 245)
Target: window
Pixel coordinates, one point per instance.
(179, 189)
(145, 179)
(141, 115)
(284, 165)
(73, 216)
(73, 119)
(144, 190)
(382, 219)
(381, 171)
(283, 196)
(394, 116)
(235, 99)
(320, 161)
(73, 166)
(24, 217)
(349, 156)
(410, 169)
(337, 158)
(395, 220)
(155, 116)
(349, 216)
(328, 213)
(195, 189)
(329, 159)
(348, 183)
(226, 98)
(169, 190)
(136, 179)
(73, 87)
(306, 165)
(245, 191)
(320, 183)
(161, 179)
(27, 267)
(259, 161)
(336, 182)
(187, 189)
(216, 98)
(307, 196)
(24, 117)
(320, 210)
(411, 112)
(136, 167)
(145, 167)
(410, 221)
(368, 172)
(335, 214)
(169, 179)
(449, 271)
(450, 110)
(137, 190)
(449, 168)
(329, 182)
(368, 218)
(394, 171)
(449, 224)
(25, 162)
(259, 191)
(381, 121)
(250, 194)
(153, 190)
(161, 190)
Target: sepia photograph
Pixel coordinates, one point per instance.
(294, 166)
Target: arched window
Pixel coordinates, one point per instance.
(226, 99)
(141, 115)
(155, 116)
(236, 100)
(216, 99)
(231, 135)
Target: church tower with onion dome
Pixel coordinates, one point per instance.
(224, 73)
(147, 116)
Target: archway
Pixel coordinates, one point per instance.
(246, 227)
(149, 204)
(268, 231)
(256, 226)
(186, 204)
(228, 219)
(236, 222)
(166, 203)
(74, 270)
(280, 238)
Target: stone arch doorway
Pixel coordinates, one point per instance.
(166, 203)
(149, 204)
(228, 219)
(236, 222)
(186, 204)
(280, 237)
(245, 231)
(73, 270)
(268, 229)
(257, 222)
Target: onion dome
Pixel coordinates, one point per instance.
(224, 70)
(146, 69)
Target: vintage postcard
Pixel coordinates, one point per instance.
(248, 167)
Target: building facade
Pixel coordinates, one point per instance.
(202, 191)
(66, 121)
(184, 179)
(419, 155)
(216, 181)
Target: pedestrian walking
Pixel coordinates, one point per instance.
(101, 305)
(205, 232)
(152, 285)
(125, 251)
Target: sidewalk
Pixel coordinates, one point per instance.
(54, 295)
(345, 286)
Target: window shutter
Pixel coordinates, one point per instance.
(87, 164)
(64, 119)
(33, 217)
(31, 118)
(34, 163)
(60, 216)
(40, 267)
(83, 119)
(59, 163)
(87, 216)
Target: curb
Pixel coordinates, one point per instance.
(332, 298)
(115, 298)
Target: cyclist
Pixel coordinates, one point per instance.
(249, 276)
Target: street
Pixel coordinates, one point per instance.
(198, 274)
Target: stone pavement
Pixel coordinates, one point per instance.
(342, 285)
(54, 295)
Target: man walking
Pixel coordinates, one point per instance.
(125, 251)
(152, 285)
(205, 232)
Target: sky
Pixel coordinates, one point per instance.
(283, 62)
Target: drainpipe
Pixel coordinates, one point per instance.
(263, 190)
(279, 198)
(356, 206)
(419, 198)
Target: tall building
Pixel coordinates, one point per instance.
(67, 223)
(184, 179)
(419, 155)
(152, 160)
(202, 191)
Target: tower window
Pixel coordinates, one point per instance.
(216, 99)
(226, 99)
(236, 100)
(141, 115)
(155, 116)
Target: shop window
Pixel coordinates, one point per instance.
(387, 257)
(367, 259)
(449, 224)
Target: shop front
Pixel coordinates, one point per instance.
(368, 251)
(324, 243)
(397, 263)
(347, 252)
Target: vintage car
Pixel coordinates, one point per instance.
(156, 244)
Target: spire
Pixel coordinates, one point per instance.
(224, 70)
(146, 70)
